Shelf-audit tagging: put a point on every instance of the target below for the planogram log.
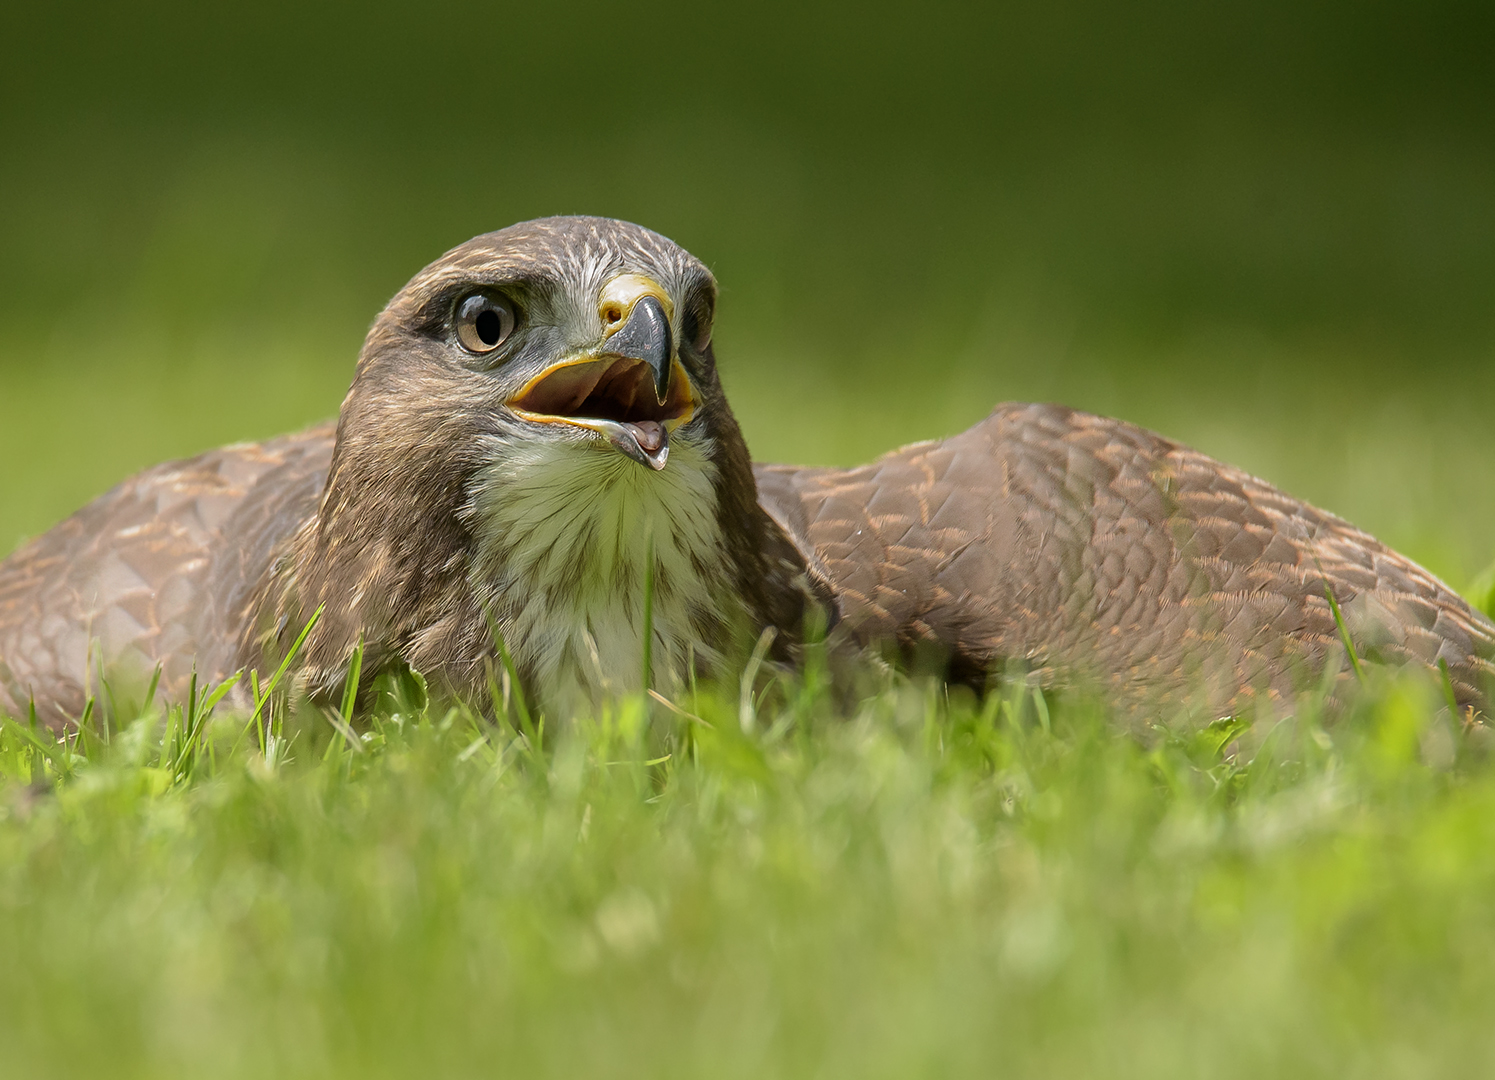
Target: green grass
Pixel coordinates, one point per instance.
(799, 882)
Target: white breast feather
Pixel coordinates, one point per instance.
(563, 532)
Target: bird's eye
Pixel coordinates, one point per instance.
(484, 322)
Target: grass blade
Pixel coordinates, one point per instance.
(221, 691)
(746, 709)
(526, 725)
(343, 728)
(150, 693)
(648, 663)
(1344, 634)
(355, 672)
(1448, 695)
(51, 753)
(260, 699)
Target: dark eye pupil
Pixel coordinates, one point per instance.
(489, 326)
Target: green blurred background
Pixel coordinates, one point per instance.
(1267, 230)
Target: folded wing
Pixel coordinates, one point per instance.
(154, 571)
(1085, 548)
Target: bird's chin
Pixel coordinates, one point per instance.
(613, 398)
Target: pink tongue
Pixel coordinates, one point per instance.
(649, 433)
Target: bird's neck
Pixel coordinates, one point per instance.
(421, 557)
(573, 541)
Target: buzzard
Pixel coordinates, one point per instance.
(536, 440)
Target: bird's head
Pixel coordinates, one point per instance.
(561, 331)
(532, 415)
(556, 364)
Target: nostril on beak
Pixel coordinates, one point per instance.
(646, 336)
(619, 297)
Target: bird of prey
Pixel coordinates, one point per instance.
(536, 437)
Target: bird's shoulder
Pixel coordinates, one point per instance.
(905, 535)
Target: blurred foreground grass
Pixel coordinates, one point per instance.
(913, 884)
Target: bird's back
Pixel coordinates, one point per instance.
(1072, 543)
(156, 571)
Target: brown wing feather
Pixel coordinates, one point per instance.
(154, 571)
(1076, 544)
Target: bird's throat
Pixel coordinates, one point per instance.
(565, 532)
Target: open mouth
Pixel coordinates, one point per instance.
(615, 397)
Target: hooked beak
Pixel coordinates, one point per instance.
(646, 336)
(629, 390)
